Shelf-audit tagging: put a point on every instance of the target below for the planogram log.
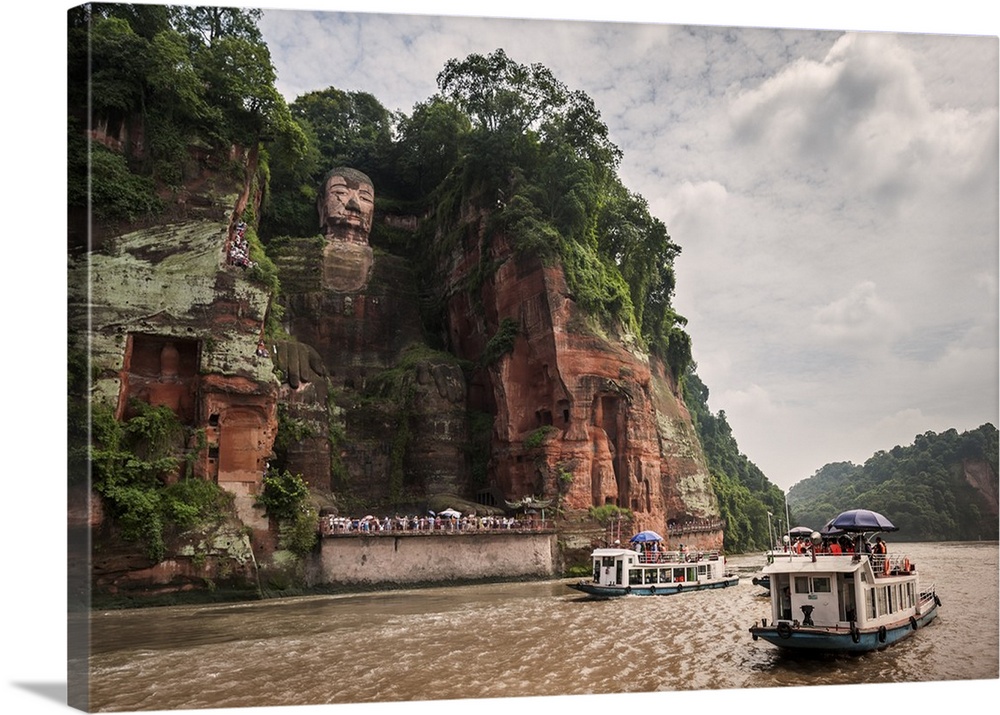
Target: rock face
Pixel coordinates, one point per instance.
(173, 324)
(529, 398)
(386, 414)
(580, 416)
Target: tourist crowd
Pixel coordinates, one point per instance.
(239, 248)
(331, 524)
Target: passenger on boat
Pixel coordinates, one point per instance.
(835, 547)
(880, 547)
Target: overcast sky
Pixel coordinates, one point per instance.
(835, 195)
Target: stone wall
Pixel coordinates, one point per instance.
(423, 558)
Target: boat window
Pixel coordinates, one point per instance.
(608, 561)
(821, 584)
(801, 584)
(635, 577)
(880, 594)
(650, 575)
(664, 575)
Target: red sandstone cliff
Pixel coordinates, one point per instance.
(581, 417)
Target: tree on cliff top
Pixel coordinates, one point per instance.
(543, 152)
(175, 77)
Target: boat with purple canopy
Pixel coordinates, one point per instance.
(648, 569)
(850, 598)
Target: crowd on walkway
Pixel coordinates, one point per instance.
(239, 248)
(331, 524)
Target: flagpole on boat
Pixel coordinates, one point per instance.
(788, 522)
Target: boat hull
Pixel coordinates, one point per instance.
(840, 640)
(660, 589)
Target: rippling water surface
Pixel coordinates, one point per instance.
(509, 640)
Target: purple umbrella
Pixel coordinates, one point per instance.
(829, 531)
(862, 520)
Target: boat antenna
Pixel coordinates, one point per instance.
(788, 522)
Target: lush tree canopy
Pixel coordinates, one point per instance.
(942, 487)
(158, 80)
(745, 494)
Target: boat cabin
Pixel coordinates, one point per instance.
(625, 567)
(836, 590)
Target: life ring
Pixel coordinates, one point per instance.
(913, 623)
(885, 566)
(628, 590)
(652, 589)
(937, 601)
(855, 633)
(784, 630)
(906, 565)
(881, 634)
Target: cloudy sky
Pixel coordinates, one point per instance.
(835, 195)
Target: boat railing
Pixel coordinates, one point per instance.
(892, 564)
(667, 557)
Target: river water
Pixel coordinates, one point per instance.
(516, 640)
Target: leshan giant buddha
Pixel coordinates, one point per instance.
(346, 205)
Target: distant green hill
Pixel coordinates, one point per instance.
(942, 487)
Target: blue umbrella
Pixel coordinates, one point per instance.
(644, 536)
(862, 520)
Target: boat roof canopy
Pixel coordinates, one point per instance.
(824, 564)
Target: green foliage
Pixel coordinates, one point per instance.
(117, 193)
(299, 534)
(502, 341)
(285, 498)
(608, 513)
(174, 77)
(927, 489)
(284, 495)
(745, 495)
(537, 437)
(744, 513)
(131, 461)
(290, 432)
(191, 502)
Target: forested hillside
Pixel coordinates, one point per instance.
(745, 494)
(941, 487)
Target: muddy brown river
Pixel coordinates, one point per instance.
(516, 640)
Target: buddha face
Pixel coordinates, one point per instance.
(347, 204)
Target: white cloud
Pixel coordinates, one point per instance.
(860, 316)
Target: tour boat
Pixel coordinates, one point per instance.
(853, 601)
(654, 572)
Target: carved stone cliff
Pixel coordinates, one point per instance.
(582, 417)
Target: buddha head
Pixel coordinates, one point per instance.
(346, 204)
